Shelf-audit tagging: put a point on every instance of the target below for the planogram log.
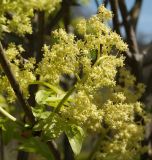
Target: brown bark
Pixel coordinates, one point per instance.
(15, 85)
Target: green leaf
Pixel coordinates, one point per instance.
(35, 145)
(45, 97)
(39, 113)
(75, 136)
(51, 126)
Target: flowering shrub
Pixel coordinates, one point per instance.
(96, 103)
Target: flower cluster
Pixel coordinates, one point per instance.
(61, 58)
(83, 112)
(15, 16)
(128, 86)
(124, 145)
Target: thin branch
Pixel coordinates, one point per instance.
(114, 8)
(136, 58)
(97, 3)
(15, 85)
(131, 38)
(135, 12)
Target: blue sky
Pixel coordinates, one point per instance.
(145, 21)
(144, 28)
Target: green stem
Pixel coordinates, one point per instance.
(9, 116)
(57, 109)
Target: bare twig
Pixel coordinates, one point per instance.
(114, 8)
(15, 85)
(136, 58)
(131, 38)
(135, 12)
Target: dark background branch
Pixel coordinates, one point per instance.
(135, 13)
(136, 59)
(15, 85)
(115, 20)
(1, 145)
(38, 41)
